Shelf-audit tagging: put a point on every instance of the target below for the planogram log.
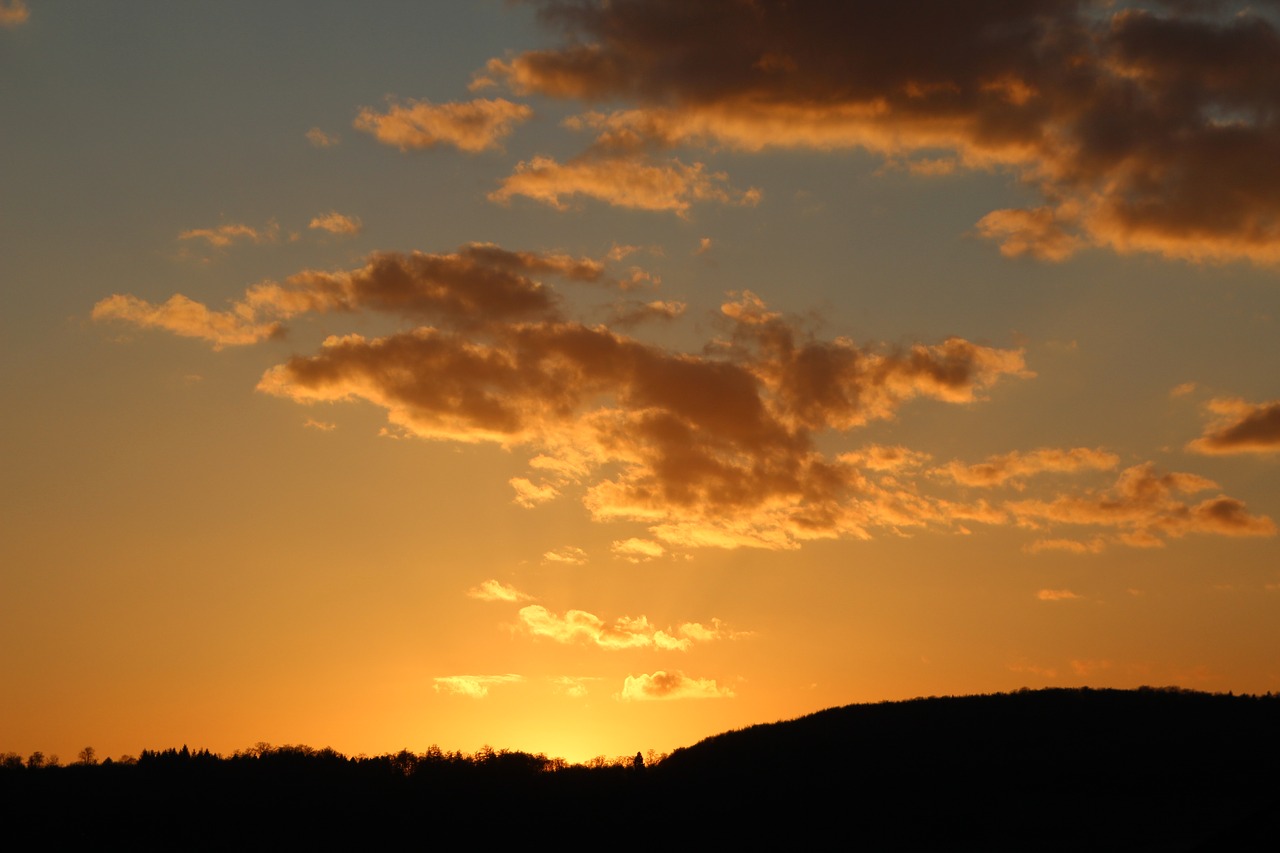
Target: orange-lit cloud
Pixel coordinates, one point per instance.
(634, 181)
(1057, 595)
(322, 426)
(635, 550)
(495, 590)
(581, 626)
(13, 13)
(700, 633)
(1072, 546)
(671, 685)
(1016, 466)
(336, 223)
(573, 686)
(187, 318)
(477, 284)
(877, 457)
(1037, 233)
(714, 449)
(628, 314)
(235, 232)
(569, 554)
(1151, 131)
(1241, 427)
(1144, 506)
(471, 126)
(624, 633)
(708, 450)
(473, 686)
(1089, 667)
(320, 139)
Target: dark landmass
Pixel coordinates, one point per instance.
(1147, 769)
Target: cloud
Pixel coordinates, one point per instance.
(568, 554)
(1183, 389)
(1143, 506)
(1240, 428)
(877, 457)
(1072, 546)
(1089, 667)
(320, 139)
(322, 426)
(13, 13)
(187, 318)
(700, 633)
(629, 314)
(671, 685)
(1151, 131)
(1057, 595)
(630, 180)
(579, 625)
(472, 686)
(732, 445)
(336, 223)
(472, 126)
(1015, 466)
(573, 686)
(479, 283)
(712, 449)
(234, 232)
(494, 590)
(1037, 233)
(529, 494)
(636, 550)
(624, 633)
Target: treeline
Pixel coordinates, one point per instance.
(1148, 769)
(403, 762)
(296, 795)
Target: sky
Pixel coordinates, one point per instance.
(587, 378)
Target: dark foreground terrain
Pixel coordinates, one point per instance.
(1148, 769)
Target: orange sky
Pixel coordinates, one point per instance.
(585, 378)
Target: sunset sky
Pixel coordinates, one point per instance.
(589, 378)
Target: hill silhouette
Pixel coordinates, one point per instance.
(1146, 769)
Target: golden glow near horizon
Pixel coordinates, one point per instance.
(471, 375)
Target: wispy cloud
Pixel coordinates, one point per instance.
(1057, 595)
(1071, 546)
(1144, 506)
(573, 686)
(623, 633)
(1015, 466)
(319, 139)
(1240, 427)
(635, 550)
(471, 126)
(233, 232)
(569, 554)
(13, 13)
(473, 686)
(671, 685)
(495, 590)
(629, 180)
(186, 318)
(336, 223)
